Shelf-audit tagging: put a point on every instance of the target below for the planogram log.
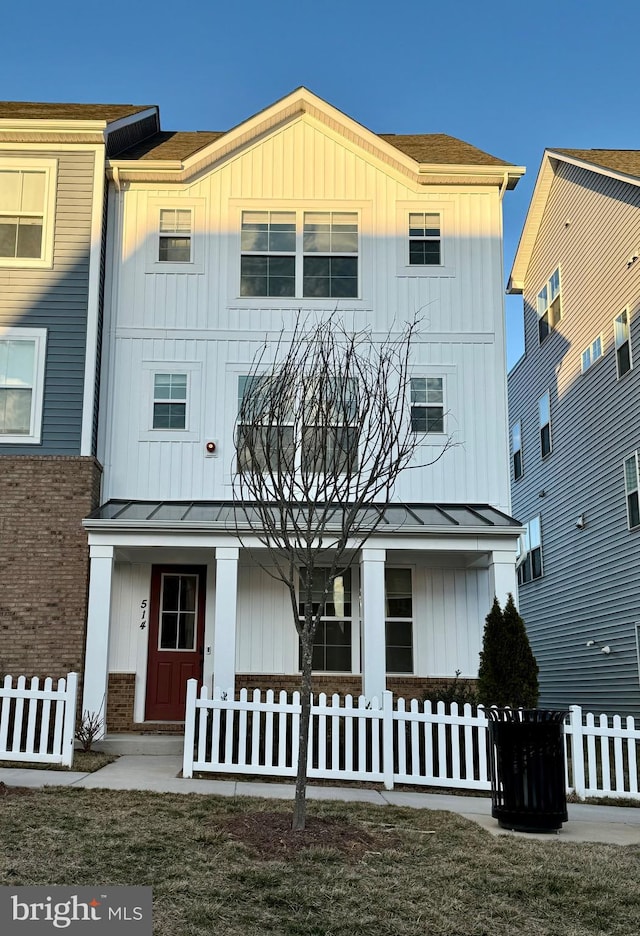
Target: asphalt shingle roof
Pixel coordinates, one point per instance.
(30, 110)
(627, 161)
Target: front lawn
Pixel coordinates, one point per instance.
(230, 866)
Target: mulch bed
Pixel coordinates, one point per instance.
(270, 834)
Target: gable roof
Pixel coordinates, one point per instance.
(619, 164)
(32, 110)
(434, 157)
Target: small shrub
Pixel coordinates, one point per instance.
(508, 674)
(457, 690)
(89, 730)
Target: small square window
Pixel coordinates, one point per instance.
(27, 208)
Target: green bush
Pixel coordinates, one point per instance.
(508, 673)
(457, 690)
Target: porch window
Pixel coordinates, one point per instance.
(332, 642)
(399, 620)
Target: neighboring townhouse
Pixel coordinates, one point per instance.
(207, 255)
(574, 409)
(52, 222)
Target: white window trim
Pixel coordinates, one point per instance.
(50, 168)
(589, 350)
(550, 328)
(446, 372)
(192, 430)
(617, 346)
(627, 493)
(515, 450)
(39, 336)
(448, 238)
(197, 262)
(542, 425)
(300, 206)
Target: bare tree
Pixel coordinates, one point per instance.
(322, 434)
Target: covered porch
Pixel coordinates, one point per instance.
(179, 591)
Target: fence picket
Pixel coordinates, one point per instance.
(25, 730)
(43, 742)
(388, 743)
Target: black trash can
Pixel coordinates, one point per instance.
(527, 763)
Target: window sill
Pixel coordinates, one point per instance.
(169, 435)
(426, 271)
(275, 302)
(20, 440)
(165, 267)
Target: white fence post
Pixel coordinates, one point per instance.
(69, 729)
(189, 727)
(577, 750)
(387, 739)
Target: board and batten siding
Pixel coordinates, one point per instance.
(57, 300)
(449, 609)
(200, 319)
(590, 589)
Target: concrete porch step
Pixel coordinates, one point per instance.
(157, 744)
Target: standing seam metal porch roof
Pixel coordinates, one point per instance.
(227, 515)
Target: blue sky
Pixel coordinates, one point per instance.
(510, 78)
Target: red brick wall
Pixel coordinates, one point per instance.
(407, 687)
(44, 561)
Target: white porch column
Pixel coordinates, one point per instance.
(373, 631)
(96, 662)
(502, 576)
(224, 641)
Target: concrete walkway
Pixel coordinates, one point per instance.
(161, 774)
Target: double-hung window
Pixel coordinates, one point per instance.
(591, 354)
(27, 204)
(176, 231)
(549, 305)
(622, 338)
(529, 559)
(332, 640)
(632, 485)
(309, 254)
(544, 419)
(329, 433)
(265, 433)
(22, 358)
(516, 449)
(424, 239)
(427, 404)
(398, 620)
(170, 401)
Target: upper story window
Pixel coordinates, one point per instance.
(427, 404)
(174, 243)
(632, 484)
(529, 558)
(544, 418)
(27, 205)
(320, 438)
(398, 620)
(591, 354)
(622, 339)
(170, 401)
(22, 361)
(424, 239)
(549, 305)
(516, 449)
(332, 640)
(313, 254)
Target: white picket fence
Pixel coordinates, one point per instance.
(37, 725)
(416, 744)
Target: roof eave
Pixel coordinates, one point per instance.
(206, 526)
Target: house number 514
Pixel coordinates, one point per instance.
(143, 614)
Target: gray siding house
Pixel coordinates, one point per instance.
(574, 411)
(52, 260)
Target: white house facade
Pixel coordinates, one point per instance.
(217, 243)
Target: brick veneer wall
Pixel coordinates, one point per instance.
(44, 561)
(407, 687)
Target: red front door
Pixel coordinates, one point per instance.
(176, 639)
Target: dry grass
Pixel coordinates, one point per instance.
(209, 877)
(83, 761)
